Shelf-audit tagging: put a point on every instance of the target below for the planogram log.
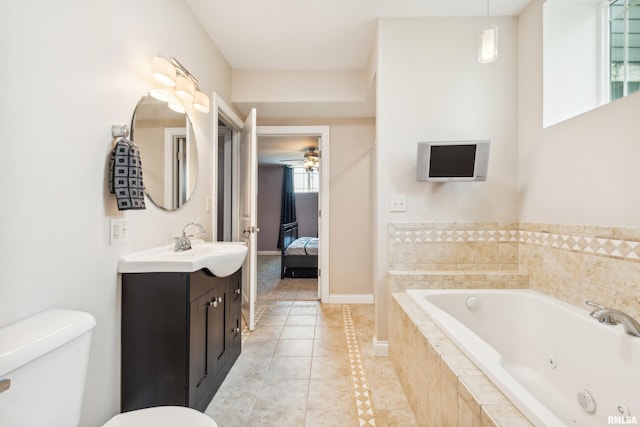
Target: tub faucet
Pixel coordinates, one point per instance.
(183, 243)
(611, 316)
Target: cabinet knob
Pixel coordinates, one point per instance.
(235, 330)
(237, 291)
(213, 302)
(219, 299)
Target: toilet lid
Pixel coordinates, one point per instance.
(162, 416)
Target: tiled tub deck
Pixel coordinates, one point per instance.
(444, 387)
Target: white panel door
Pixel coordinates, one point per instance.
(248, 218)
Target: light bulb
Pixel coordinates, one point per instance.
(164, 71)
(488, 44)
(201, 102)
(185, 88)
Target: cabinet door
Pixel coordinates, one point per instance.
(216, 325)
(198, 348)
(234, 336)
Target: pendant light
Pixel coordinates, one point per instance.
(488, 51)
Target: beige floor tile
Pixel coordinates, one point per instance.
(330, 347)
(395, 418)
(289, 367)
(331, 394)
(298, 332)
(387, 394)
(269, 418)
(282, 394)
(330, 367)
(301, 319)
(304, 309)
(236, 393)
(334, 418)
(273, 320)
(277, 309)
(292, 373)
(267, 333)
(226, 418)
(379, 367)
(327, 332)
(294, 348)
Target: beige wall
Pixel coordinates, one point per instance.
(583, 170)
(78, 67)
(429, 90)
(350, 228)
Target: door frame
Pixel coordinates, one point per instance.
(323, 134)
(222, 111)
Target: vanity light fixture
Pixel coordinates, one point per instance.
(171, 73)
(488, 51)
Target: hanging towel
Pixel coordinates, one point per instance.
(125, 176)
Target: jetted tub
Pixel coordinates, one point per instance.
(549, 358)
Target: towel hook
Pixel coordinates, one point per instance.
(120, 131)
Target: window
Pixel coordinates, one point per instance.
(624, 48)
(305, 181)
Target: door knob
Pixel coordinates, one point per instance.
(250, 230)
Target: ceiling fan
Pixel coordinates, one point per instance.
(310, 161)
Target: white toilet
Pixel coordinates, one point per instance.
(43, 366)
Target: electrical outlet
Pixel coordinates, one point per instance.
(119, 231)
(398, 203)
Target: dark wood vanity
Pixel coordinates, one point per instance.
(181, 334)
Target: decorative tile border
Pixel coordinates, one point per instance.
(358, 376)
(626, 249)
(455, 236)
(259, 311)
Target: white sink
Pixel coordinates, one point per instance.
(220, 258)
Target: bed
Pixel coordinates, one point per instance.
(299, 254)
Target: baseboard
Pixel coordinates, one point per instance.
(269, 252)
(380, 348)
(350, 299)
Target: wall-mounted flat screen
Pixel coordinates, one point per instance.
(453, 161)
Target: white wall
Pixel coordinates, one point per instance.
(71, 70)
(572, 51)
(430, 86)
(583, 170)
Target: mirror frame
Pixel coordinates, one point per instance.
(156, 113)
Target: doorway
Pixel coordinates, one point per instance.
(283, 277)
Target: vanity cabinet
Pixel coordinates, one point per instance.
(181, 334)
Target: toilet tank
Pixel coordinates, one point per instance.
(43, 366)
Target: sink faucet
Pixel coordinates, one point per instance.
(611, 316)
(183, 243)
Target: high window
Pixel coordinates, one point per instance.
(305, 181)
(623, 47)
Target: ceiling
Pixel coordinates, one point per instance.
(314, 35)
(317, 35)
(283, 150)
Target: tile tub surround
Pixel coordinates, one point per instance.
(453, 246)
(311, 364)
(574, 263)
(569, 262)
(443, 386)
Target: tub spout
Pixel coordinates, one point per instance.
(611, 316)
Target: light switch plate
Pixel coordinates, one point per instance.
(398, 203)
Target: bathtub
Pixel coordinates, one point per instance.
(546, 356)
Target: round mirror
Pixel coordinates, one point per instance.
(168, 152)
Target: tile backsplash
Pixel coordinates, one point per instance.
(569, 262)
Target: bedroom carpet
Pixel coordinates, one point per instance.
(272, 288)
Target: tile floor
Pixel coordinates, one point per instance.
(311, 364)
